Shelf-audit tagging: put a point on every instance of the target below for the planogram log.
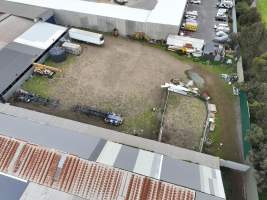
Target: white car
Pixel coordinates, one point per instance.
(195, 1)
(190, 17)
(221, 25)
(193, 13)
(222, 28)
(221, 33)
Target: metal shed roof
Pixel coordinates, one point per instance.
(11, 188)
(14, 62)
(150, 164)
(41, 35)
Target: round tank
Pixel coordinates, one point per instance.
(57, 54)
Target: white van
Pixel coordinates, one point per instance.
(86, 36)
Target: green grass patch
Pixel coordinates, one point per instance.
(42, 85)
(214, 137)
(262, 8)
(145, 124)
(37, 85)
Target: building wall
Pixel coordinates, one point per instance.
(106, 24)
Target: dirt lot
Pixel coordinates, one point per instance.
(123, 76)
(184, 121)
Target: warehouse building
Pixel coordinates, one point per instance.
(18, 55)
(165, 18)
(64, 155)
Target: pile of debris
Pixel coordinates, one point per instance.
(27, 97)
(179, 87)
(212, 110)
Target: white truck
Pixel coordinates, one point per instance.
(86, 36)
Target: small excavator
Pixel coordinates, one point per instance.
(44, 70)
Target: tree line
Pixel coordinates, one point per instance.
(252, 38)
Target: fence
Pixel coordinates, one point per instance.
(245, 120)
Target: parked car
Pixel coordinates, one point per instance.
(195, 1)
(191, 17)
(193, 13)
(221, 33)
(220, 25)
(221, 39)
(225, 4)
(224, 29)
(221, 17)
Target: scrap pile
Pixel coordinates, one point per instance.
(181, 88)
(27, 97)
(212, 110)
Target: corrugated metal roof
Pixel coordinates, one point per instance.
(80, 177)
(117, 155)
(13, 63)
(47, 130)
(11, 188)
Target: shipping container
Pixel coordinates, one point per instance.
(86, 36)
(72, 48)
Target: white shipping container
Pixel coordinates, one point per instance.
(86, 36)
(72, 48)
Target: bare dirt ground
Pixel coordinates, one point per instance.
(184, 121)
(123, 76)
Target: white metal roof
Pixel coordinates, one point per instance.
(168, 12)
(100, 9)
(180, 41)
(41, 35)
(165, 12)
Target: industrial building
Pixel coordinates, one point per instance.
(18, 52)
(74, 160)
(163, 19)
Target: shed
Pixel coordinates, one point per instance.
(178, 42)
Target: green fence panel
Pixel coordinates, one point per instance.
(245, 120)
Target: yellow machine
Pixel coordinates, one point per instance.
(44, 70)
(41, 67)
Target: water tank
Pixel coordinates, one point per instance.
(57, 54)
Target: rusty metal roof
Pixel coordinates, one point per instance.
(86, 179)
